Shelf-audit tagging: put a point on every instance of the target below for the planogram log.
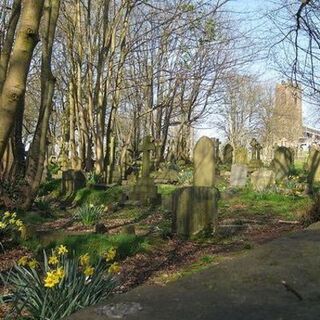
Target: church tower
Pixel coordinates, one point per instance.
(287, 115)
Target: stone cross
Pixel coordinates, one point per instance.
(146, 148)
(256, 149)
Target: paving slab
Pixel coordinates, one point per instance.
(246, 287)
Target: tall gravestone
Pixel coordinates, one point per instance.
(228, 154)
(146, 191)
(313, 166)
(241, 155)
(72, 181)
(195, 207)
(282, 162)
(204, 161)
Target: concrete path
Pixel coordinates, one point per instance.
(247, 287)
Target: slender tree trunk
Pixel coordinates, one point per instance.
(38, 148)
(19, 64)
(8, 43)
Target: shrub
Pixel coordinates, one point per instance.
(59, 286)
(43, 205)
(98, 197)
(89, 214)
(312, 215)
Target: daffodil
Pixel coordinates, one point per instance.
(19, 223)
(2, 225)
(60, 273)
(84, 259)
(23, 261)
(62, 250)
(88, 271)
(114, 268)
(110, 255)
(12, 221)
(51, 279)
(7, 214)
(33, 263)
(53, 260)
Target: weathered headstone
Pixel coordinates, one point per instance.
(217, 150)
(228, 154)
(72, 181)
(238, 177)
(313, 166)
(195, 207)
(282, 162)
(195, 210)
(262, 179)
(204, 163)
(145, 191)
(241, 155)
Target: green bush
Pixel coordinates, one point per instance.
(43, 205)
(59, 286)
(98, 197)
(49, 186)
(89, 214)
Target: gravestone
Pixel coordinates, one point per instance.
(217, 151)
(241, 155)
(262, 179)
(228, 154)
(72, 181)
(204, 163)
(238, 177)
(255, 161)
(313, 166)
(282, 162)
(195, 207)
(145, 191)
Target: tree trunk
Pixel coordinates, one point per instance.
(8, 43)
(38, 149)
(15, 81)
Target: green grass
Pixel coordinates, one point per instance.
(34, 218)
(166, 189)
(97, 245)
(248, 204)
(98, 197)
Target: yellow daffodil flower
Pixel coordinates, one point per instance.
(62, 250)
(19, 223)
(51, 280)
(88, 271)
(23, 261)
(33, 263)
(53, 260)
(84, 260)
(114, 268)
(12, 221)
(7, 214)
(60, 273)
(110, 255)
(2, 225)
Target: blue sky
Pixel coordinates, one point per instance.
(253, 12)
